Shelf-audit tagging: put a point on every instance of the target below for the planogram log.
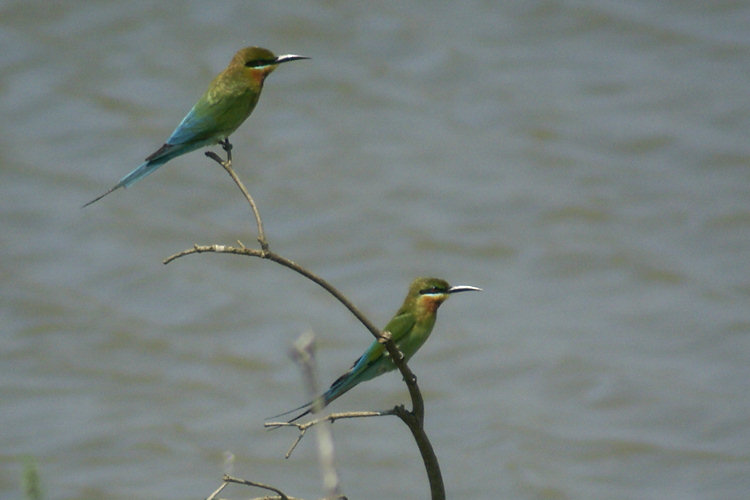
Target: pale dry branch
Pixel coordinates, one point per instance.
(304, 355)
(280, 495)
(227, 165)
(332, 417)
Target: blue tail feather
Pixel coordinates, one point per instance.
(139, 173)
(156, 160)
(339, 387)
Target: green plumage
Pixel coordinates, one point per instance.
(409, 328)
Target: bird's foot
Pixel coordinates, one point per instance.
(384, 337)
(226, 145)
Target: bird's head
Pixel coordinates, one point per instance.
(426, 294)
(260, 62)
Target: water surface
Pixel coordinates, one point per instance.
(586, 163)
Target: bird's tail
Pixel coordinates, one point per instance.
(339, 387)
(113, 188)
(139, 173)
(307, 407)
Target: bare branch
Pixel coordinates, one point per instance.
(280, 495)
(212, 496)
(229, 479)
(268, 254)
(414, 419)
(227, 165)
(332, 417)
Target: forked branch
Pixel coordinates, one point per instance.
(413, 419)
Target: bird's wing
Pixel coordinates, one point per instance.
(219, 111)
(371, 364)
(200, 123)
(197, 129)
(398, 326)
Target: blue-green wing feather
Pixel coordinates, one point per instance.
(375, 361)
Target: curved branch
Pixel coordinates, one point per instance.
(229, 479)
(227, 165)
(272, 256)
(414, 419)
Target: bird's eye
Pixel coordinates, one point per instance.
(432, 289)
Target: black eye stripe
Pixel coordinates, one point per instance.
(259, 62)
(432, 289)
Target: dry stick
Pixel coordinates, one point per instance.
(229, 479)
(331, 417)
(265, 253)
(414, 420)
(304, 354)
(227, 146)
(218, 490)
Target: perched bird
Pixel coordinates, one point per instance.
(229, 100)
(409, 329)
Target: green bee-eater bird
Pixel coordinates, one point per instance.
(229, 100)
(409, 329)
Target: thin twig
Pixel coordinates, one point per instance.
(227, 165)
(229, 479)
(212, 496)
(286, 263)
(331, 417)
(280, 495)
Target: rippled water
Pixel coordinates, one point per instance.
(586, 163)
